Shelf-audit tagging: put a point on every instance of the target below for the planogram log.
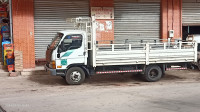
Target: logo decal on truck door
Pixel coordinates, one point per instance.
(68, 53)
(63, 62)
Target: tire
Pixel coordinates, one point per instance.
(152, 73)
(75, 76)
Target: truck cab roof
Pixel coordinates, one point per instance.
(65, 32)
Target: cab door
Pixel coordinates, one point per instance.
(71, 51)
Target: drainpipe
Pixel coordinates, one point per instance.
(11, 21)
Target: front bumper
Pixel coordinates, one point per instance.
(52, 71)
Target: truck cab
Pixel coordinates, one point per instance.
(67, 49)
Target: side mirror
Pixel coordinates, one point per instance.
(58, 55)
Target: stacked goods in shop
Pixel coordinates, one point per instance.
(7, 48)
(3, 10)
(6, 42)
(4, 22)
(3, 14)
(10, 61)
(11, 68)
(4, 35)
(9, 56)
(18, 61)
(5, 30)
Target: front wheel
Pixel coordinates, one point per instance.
(152, 73)
(75, 76)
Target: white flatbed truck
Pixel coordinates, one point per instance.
(75, 54)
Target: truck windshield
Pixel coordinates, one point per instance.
(56, 40)
(70, 42)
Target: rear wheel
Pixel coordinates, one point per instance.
(75, 76)
(152, 73)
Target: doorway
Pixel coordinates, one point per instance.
(190, 30)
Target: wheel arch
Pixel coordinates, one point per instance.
(162, 66)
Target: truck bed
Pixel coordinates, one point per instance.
(149, 53)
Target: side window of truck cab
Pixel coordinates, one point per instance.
(70, 42)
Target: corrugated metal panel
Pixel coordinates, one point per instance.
(191, 13)
(50, 17)
(189, 1)
(137, 21)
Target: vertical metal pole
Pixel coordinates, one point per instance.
(147, 53)
(94, 40)
(195, 52)
(113, 47)
(180, 45)
(11, 20)
(165, 46)
(130, 47)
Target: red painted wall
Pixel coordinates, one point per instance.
(101, 3)
(107, 34)
(171, 18)
(23, 30)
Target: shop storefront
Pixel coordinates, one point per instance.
(191, 18)
(6, 48)
(50, 17)
(137, 20)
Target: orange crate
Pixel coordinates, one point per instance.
(8, 46)
(10, 55)
(5, 54)
(3, 14)
(11, 68)
(3, 9)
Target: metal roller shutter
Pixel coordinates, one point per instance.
(137, 20)
(50, 17)
(191, 13)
